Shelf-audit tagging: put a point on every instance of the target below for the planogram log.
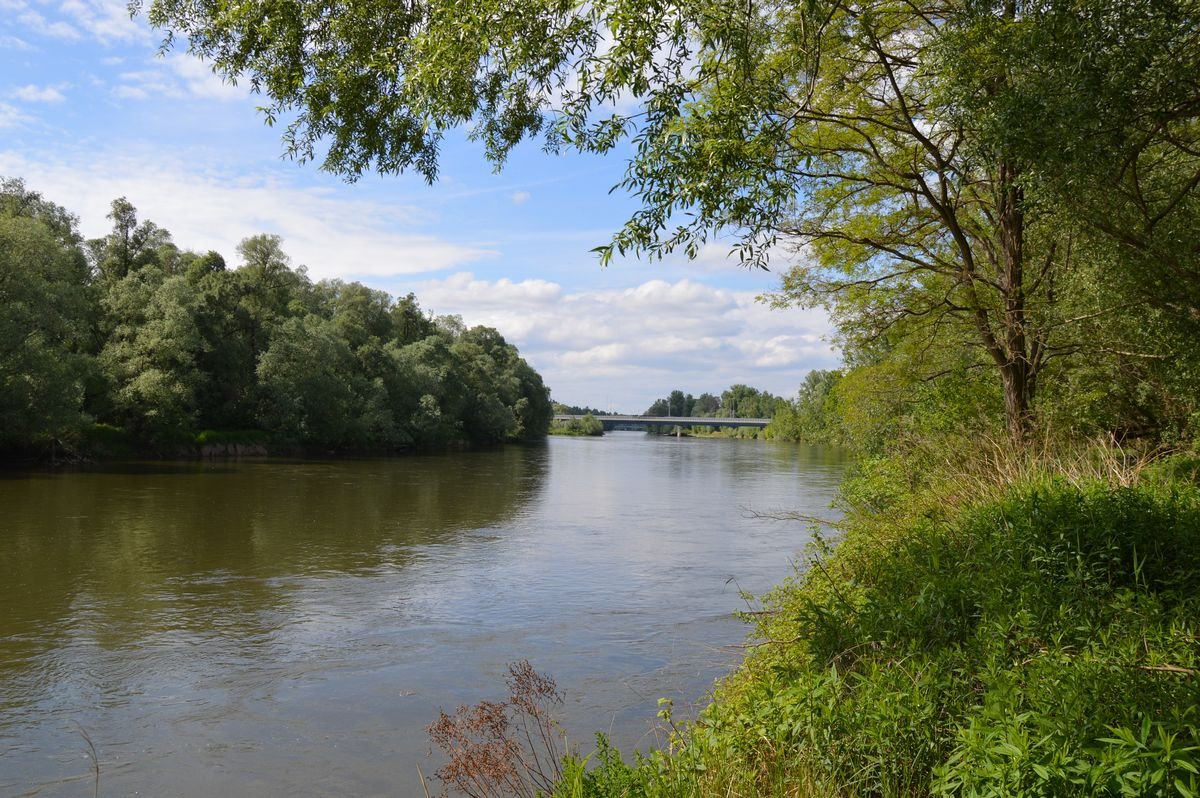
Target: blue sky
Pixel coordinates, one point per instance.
(90, 111)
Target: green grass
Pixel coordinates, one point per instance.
(1031, 633)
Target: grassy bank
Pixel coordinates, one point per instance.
(1015, 627)
(1030, 633)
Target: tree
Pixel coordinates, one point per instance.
(585, 424)
(43, 320)
(813, 416)
(505, 398)
(131, 244)
(17, 200)
(409, 323)
(225, 398)
(361, 314)
(830, 126)
(742, 401)
(576, 410)
(677, 403)
(150, 357)
(164, 342)
(680, 403)
(706, 405)
(270, 290)
(1101, 105)
(429, 396)
(312, 391)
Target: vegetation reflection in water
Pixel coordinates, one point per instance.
(253, 627)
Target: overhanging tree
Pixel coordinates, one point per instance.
(1104, 107)
(833, 127)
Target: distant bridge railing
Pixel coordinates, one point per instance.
(643, 422)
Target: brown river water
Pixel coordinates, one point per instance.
(266, 628)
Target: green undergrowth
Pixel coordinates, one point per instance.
(1039, 638)
(105, 440)
(587, 425)
(249, 437)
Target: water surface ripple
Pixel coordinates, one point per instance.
(268, 628)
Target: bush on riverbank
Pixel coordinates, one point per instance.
(587, 425)
(1037, 636)
(698, 431)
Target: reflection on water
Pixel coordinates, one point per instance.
(256, 628)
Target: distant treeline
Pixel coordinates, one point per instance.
(739, 401)
(127, 337)
(575, 410)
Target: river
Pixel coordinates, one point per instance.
(290, 628)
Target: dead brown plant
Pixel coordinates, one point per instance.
(507, 748)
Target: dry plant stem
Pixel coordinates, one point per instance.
(1168, 669)
(95, 759)
(790, 515)
(424, 786)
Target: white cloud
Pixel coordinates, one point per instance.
(200, 81)
(178, 76)
(13, 42)
(331, 235)
(106, 21)
(521, 197)
(54, 29)
(627, 346)
(39, 94)
(605, 354)
(146, 83)
(11, 116)
(780, 350)
(130, 92)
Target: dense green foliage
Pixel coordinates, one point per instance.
(586, 424)
(813, 416)
(130, 334)
(1041, 642)
(575, 410)
(992, 181)
(738, 401)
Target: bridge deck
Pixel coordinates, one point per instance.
(671, 421)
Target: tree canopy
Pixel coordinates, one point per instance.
(128, 331)
(932, 169)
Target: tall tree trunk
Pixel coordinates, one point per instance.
(1018, 399)
(1018, 372)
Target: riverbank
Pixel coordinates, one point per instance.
(1038, 639)
(586, 426)
(736, 433)
(1014, 627)
(102, 443)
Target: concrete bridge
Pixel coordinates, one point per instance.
(645, 422)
